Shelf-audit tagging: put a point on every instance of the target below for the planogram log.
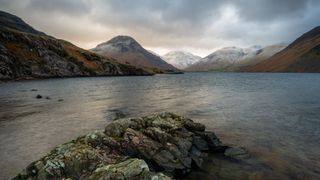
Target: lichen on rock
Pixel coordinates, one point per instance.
(157, 146)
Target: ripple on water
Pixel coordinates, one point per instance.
(275, 116)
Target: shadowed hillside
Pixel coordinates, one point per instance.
(27, 53)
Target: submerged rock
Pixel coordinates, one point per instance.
(114, 114)
(158, 146)
(236, 153)
(38, 96)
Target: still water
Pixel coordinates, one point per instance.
(275, 116)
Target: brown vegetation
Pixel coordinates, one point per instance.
(303, 55)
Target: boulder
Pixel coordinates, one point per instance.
(38, 96)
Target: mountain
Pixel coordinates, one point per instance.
(129, 51)
(26, 53)
(233, 58)
(180, 59)
(302, 55)
(222, 59)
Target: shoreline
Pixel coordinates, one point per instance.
(162, 145)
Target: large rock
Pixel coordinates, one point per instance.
(158, 146)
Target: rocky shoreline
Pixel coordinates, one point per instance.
(157, 146)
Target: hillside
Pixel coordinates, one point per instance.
(303, 55)
(26, 53)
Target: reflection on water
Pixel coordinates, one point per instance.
(275, 116)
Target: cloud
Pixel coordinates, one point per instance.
(201, 26)
(269, 10)
(66, 7)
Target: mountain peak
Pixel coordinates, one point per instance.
(13, 22)
(122, 43)
(230, 48)
(123, 39)
(181, 59)
(178, 52)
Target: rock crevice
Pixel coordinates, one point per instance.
(161, 146)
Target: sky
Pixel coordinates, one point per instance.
(197, 26)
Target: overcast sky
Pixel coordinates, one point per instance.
(198, 26)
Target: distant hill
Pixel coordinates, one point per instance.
(129, 51)
(180, 59)
(28, 53)
(233, 58)
(303, 55)
(219, 60)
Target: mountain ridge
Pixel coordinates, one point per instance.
(232, 58)
(13, 22)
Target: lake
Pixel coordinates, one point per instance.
(276, 116)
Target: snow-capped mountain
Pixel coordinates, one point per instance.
(222, 58)
(231, 58)
(180, 59)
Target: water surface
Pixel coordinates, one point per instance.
(275, 116)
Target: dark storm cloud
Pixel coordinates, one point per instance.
(269, 10)
(178, 16)
(171, 24)
(71, 7)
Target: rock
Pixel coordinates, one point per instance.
(212, 140)
(197, 156)
(237, 153)
(38, 96)
(34, 90)
(60, 100)
(191, 126)
(47, 97)
(157, 146)
(124, 170)
(200, 143)
(117, 114)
